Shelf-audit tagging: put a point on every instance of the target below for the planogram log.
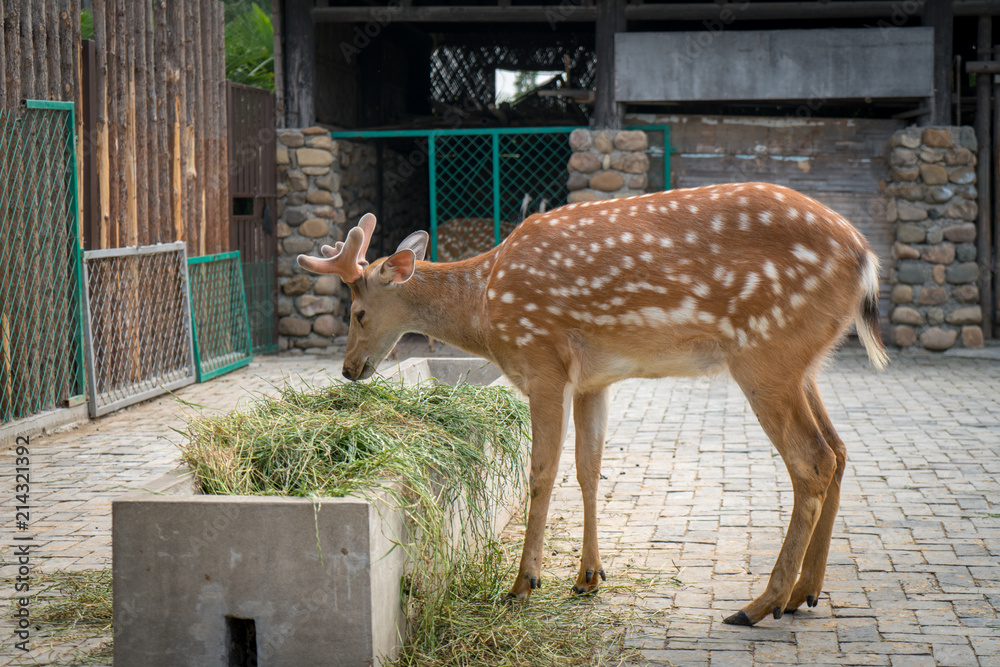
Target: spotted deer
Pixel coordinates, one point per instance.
(752, 278)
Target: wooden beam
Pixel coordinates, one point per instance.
(279, 64)
(939, 15)
(983, 221)
(982, 67)
(585, 13)
(12, 66)
(608, 113)
(300, 64)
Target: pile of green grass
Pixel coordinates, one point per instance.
(424, 445)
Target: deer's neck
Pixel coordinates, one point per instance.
(446, 302)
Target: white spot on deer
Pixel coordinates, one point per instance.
(804, 254)
(610, 242)
(651, 208)
(691, 237)
(627, 237)
(742, 201)
(770, 270)
(765, 217)
(505, 338)
(701, 289)
(778, 315)
(797, 300)
(811, 283)
(779, 195)
(631, 318)
(555, 310)
(525, 339)
(508, 297)
(810, 217)
(501, 273)
(491, 294)
(692, 208)
(726, 327)
(792, 214)
(568, 262)
(605, 320)
(614, 271)
(741, 337)
(666, 242)
(646, 256)
(717, 223)
(829, 268)
(744, 221)
(674, 205)
(749, 285)
(530, 306)
(686, 312)
(581, 281)
(628, 262)
(617, 301)
(654, 315)
(663, 209)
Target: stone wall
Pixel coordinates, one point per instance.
(607, 164)
(932, 189)
(324, 187)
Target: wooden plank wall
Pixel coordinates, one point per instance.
(840, 162)
(160, 126)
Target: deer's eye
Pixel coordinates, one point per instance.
(360, 315)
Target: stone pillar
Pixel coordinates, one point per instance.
(323, 188)
(607, 164)
(933, 207)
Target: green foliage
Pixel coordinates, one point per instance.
(87, 24)
(250, 47)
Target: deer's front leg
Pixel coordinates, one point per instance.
(590, 416)
(549, 414)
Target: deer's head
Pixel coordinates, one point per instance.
(378, 317)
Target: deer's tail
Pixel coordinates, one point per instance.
(867, 318)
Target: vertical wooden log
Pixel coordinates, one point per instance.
(3, 54)
(111, 94)
(125, 96)
(940, 15)
(100, 136)
(152, 169)
(300, 64)
(140, 172)
(27, 52)
(162, 66)
(192, 36)
(222, 143)
(41, 47)
(201, 124)
(12, 64)
(984, 41)
(175, 116)
(53, 47)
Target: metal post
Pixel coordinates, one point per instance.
(432, 184)
(496, 188)
(984, 41)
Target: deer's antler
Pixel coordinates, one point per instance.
(346, 259)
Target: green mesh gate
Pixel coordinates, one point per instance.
(483, 182)
(219, 314)
(41, 343)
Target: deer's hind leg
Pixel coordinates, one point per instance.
(810, 582)
(784, 411)
(590, 416)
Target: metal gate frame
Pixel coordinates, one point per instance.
(57, 339)
(219, 346)
(125, 392)
(494, 135)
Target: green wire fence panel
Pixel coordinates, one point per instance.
(219, 312)
(486, 181)
(259, 280)
(139, 342)
(41, 345)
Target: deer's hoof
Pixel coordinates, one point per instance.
(739, 618)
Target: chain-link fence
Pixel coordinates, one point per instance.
(219, 312)
(41, 346)
(139, 342)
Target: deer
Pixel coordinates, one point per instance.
(751, 278)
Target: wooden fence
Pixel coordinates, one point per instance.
(152, 92)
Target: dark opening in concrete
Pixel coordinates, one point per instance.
(242, 642)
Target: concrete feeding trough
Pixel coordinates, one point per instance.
(206, 580)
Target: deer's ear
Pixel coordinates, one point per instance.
(398, 268)
(417, 242)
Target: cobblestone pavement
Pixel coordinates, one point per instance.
(693, 491)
